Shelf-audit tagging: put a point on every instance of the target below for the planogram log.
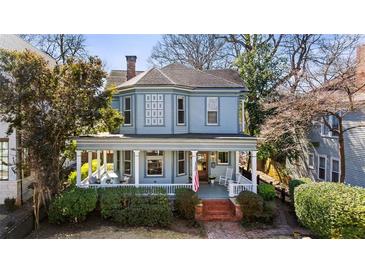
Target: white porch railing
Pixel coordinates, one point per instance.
(234, 189)
(145, 188)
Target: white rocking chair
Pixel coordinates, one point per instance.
(223, 180)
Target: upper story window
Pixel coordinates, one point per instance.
(4, 159)
(212, 110)
(310, 160)
(154, 109)
(127, 110)
(181, 110)
(334, 124)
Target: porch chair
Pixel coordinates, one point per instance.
(223, 180)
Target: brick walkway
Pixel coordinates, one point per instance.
(284, 227)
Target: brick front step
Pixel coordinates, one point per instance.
(218, 210)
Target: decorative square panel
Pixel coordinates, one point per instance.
(160, 121)
(160, 105)
(148, 121)
(160, 113)
(160, 97)
(148, 113)
(154, 97)
(154, 105)
(148, 97)
(154, 121)
(154, 113)
(148, 105)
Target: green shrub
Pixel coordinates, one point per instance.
(294, 183)
(185, 202)
(251, 204)
(72, 206)
(10, 204)
(331, 210)
(130, 207)
(84, 171)
(266, 191)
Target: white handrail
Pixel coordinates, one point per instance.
(234, 189)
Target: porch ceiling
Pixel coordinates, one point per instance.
(174, 142)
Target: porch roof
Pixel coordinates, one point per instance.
(174, 142)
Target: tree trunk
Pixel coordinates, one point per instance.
(341, 146)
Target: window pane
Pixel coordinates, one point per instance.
(127, 167)
(212, 117)
(181, 117)
(335, 177)
(127, 155)
(325, 129)
(4, 160)
(223, 157)
(311, 160)
(154, 167)
(180, 103)
(212, 103)
(181, 155)
(127, 105)
(181, 167)
(322, 162)
(322, 174)
(127, 117)
(335, 125)
(335, 166)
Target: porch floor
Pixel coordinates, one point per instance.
(216, 191)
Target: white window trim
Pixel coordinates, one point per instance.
(130, 108)
(181, 160)
(162, 165)
(223, 164)
(325, 166)
(124, 160)
(339, 167)
(178, 110)
(310, 155)
(217, 111)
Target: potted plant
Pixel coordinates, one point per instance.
(212, 179)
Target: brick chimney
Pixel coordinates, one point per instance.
(360, 65)
(131, 66)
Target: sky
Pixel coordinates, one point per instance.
(112, 49)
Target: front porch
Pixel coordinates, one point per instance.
(166, 164)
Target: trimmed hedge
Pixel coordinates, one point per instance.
(72, 205)
(251, 204)
(266, 191)
(185, 202)
(130, 207)
(297, 182)
(331, 210)
(84, 171)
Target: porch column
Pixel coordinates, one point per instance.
(98, 162)
(115, 168)
(253, 170)
(193, 165)
(243, 115)
(136, 167)
(237, 163)
(104, 160)
(78, 167)
(89, 162)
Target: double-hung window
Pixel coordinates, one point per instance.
(335, 170)
(223, 158)
(322, 163)
(4, 159)
(127, 111)
(181, 110)
(181, 162)
(154, 163)
(127, 162)
(212, 110)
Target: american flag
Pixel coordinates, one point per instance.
(196, 179)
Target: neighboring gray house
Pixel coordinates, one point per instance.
(321, 160)
(177, 119)
(9, 179)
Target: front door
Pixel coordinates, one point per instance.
(202, 158)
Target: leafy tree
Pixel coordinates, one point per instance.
(50, 105)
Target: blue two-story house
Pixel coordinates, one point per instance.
(177, 121)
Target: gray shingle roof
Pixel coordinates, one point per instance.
(14, 42)
(228, 74)
(181, 75)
